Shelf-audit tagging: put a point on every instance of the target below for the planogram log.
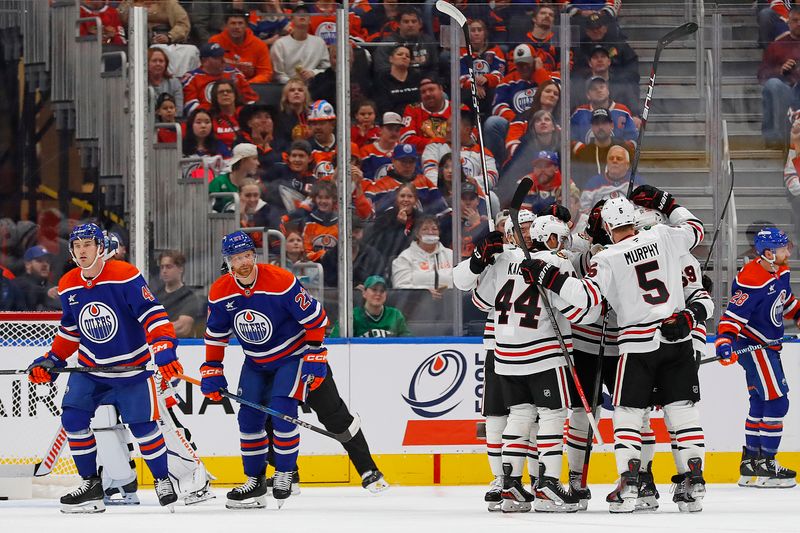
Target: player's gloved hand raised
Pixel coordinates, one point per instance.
(315, 365)
(678, 325)
(594, 226)
(724, 346)
(536, 271)
(483, 254)
(39, 370)
(557, 210)
(654, 198)
(167, 359)
(212, 375)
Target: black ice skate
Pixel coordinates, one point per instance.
(552, 497)
(295, 483)
(679, 492)
(281, 487)
(251, 495)
(123, 495)
(583, 493)
(623, 498)
(493, 497)
(373, 481)
(166, 493)
(87, 498)
(771, 475)
(747, 469)
(647, 500)
(515, 498)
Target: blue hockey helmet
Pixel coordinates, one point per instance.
(87, 231)
(770, 238)
(236, 243)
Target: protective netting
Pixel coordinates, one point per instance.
(29, 414)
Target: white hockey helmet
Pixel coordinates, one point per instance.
(618, 212)
(547, 225)
(648, 217)
(524, 217)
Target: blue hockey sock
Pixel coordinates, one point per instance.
(286, 440)
(771, 428)
(152, 447)
(752, 426)
(253, 441)
(82, 443)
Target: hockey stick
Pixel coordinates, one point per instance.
(771, 344)
(598, 384)
(344, 436)
(458, 17)
(519, 196)
(82, 369)
(719, 222)
(683, 30)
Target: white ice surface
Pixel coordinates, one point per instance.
(727, 508)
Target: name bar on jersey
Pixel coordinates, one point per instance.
(643, 252)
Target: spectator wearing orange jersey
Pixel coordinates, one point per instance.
(243, 50)
(323, 23)
(428, 119)
(197, 83)
(321, 223)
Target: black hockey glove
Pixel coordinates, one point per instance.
(679, 325)
(594, 226)
(536, 271)
(483, 254)
(708, 285)
(557, 210)
(654, 198)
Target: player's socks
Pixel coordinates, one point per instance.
(493, 496)
(166, 493)
(583, 493)
(647, 500)
(623, 498)
(372, 480)
(87, 498)
(281, 487)
(83, 447)
(747, 468)
(250, 495)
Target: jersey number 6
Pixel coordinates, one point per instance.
(651, 285)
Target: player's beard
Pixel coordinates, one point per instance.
(244, 271)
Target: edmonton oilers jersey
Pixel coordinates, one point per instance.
(758, 304)
(273, 319)
(110, 320)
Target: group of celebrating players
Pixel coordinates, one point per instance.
(624, 300)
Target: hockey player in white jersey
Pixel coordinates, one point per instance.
(640, 276)
(531, 366)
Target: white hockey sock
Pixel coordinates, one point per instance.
(550, 439)
(494, 443)
(515, 436)
(684, 420)
(673, 443)
(627, 435)
(533, 451)
(648, 442)
(577, 436)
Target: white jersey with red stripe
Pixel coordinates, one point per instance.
(693, 291)
(525, 342)
(641, 277)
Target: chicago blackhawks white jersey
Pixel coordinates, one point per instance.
(693, 291)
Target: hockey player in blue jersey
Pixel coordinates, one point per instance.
(281, 328)
(111, 318)
(761, 300)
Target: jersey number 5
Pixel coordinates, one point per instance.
(651, 285)
(526, 304)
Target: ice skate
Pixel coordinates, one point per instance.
(623, 498)
(199, 496)
(771, 475)
(372, 480)
(87, 498)
(552, 497)
(493, 497)
(251, 495)
(747, 470)
(166, 493)
(679, 492)
(583, 493)
(647, 500)
(124, 495)
(696, 485)
(281, 487)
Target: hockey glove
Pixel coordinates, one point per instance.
(708, 284)
(724, 346)
(167, 359)
(558, 211)
(212, 375)
(483, 254)
(315, 365)
(542, 273)
(594, 226)
(39, 370)
(678, 326)
(654, 198)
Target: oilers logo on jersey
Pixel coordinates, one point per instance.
(253, 326)
(98, 322)
(523, 100)
(776, 313)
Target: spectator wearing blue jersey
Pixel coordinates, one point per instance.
(598, 96)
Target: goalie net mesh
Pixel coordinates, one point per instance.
(30, 414)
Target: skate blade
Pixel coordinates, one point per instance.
(625, 506)
(494, 507)
(549, 506)
(193, 499)
(513, 506)
(583, 505)
(84, 508)
(259, 502)
(171, 507)
(376, 487)
(280, 503)
(130, 499)
(748, 481)
(683, 507)
(646, 504)
(295, 489)
(769, 483)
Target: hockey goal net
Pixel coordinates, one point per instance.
(33, 441)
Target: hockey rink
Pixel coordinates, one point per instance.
(415, 509)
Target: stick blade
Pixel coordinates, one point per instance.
(684, 30)
(522, 191)
(451, 11)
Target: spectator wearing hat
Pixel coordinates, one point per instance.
(166, 111)
(405, 162)
(426, 263)
(599, 97)
(488, 62)
(614, 179)
(34, 284)
(375, 318)
(623, 83)
(602, 29)
(225, 105)
(243, 164)
(322, 120)
(424, 48)
(588, 159)
(428, 119)
(243, 50)
(299, 53)
(779, 74)
(212, 68)
(398, 86)
(257, 127)
(376, 157)
(179, 301)
(160, 78)
(113, 32)
(546, 177)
